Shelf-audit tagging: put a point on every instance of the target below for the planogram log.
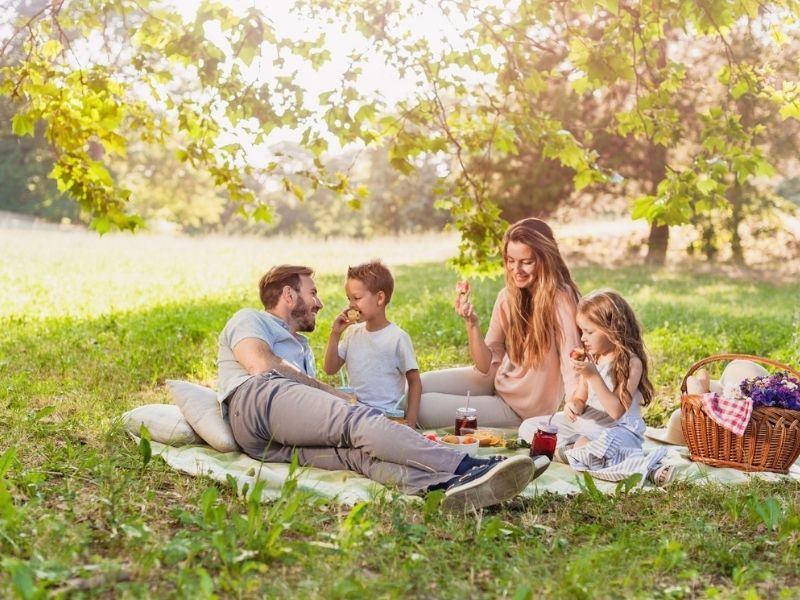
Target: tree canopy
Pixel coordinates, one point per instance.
(672, 102)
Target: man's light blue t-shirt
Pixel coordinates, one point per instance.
(259, 324)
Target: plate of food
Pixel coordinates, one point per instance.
(463, 443)
(488, 437)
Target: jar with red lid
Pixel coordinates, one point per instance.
(544, 441)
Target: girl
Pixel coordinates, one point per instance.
(521, 368)
(601, 428)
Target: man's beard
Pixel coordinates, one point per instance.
(304, 317)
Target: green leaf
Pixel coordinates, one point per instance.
(145, 449)
(740, 88)
(22, 124)
(262, 213)
(44, 412)
(6, 460)
(790, 110)
(51, 48)
(101, 225)
(583, 179)
(706, 185)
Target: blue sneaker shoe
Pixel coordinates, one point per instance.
(492, 483)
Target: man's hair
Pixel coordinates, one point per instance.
(375, 277)
(271, 285)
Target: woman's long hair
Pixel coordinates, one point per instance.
(612, 315)
(533, 324)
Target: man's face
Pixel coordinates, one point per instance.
(307, 306)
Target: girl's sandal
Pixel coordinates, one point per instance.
(662, 476)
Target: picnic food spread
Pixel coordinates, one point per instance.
(485, 438)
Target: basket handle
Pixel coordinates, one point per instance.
(718, 357)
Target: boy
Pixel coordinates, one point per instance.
(379, 355)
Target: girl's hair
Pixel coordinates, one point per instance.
(613, 316)
(532, 323)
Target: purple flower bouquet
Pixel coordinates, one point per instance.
(778, 390)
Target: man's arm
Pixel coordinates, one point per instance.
(257, 357)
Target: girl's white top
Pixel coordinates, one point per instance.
(632, 419)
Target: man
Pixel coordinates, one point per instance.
(276, 407)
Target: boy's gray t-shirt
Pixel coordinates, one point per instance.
(259, 324)
(377, 363)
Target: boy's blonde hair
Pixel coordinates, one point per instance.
(375, 276)
(611, 314)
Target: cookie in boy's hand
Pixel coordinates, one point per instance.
(353, 315)
(577, 354)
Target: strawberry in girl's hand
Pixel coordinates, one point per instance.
(577, 354)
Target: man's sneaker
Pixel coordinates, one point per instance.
(493, 483)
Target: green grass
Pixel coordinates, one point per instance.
(92, 328)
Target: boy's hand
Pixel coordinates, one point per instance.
(341, 322)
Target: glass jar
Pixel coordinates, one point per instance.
(466, 418)
(544, 441)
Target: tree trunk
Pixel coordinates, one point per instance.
(657, 245)
(736, 200)
(658, 241)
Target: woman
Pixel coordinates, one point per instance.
(522, 368)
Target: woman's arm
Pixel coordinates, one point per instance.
(478, 350)
(569, 337)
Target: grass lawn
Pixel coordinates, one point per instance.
(92, 327)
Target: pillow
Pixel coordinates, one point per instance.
(165, 423)
(201, 408)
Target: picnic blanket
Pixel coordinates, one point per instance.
(348, 488)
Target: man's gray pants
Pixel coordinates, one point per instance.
(272, 417)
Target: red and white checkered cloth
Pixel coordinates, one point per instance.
(731, 413)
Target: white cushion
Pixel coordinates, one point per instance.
(201, 408)
(165, 423)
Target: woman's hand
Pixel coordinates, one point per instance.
(464, 308)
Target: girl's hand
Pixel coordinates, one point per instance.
(573, 410)
(340, 323)
(584, 368)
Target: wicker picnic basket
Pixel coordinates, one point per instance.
(771, 441)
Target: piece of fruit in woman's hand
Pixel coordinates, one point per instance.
(577, 354)
(462, 287)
